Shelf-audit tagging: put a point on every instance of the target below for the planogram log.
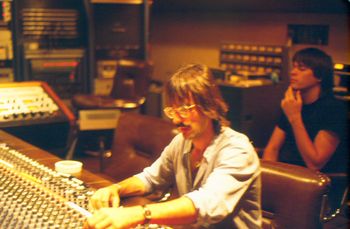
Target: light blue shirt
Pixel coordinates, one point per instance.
(227, 183)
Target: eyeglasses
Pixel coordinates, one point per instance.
(183, 111)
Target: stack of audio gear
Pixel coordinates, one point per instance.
(34, 196)
(53, 44)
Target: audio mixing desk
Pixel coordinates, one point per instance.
(33, 195)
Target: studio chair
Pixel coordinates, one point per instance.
(292, 196)
(129, 89)
(128, 94)
(138, 141)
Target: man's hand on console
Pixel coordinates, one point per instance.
(105, 197)
(116, 218)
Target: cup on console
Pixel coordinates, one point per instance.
(69, 167)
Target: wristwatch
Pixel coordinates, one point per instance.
(147, 214)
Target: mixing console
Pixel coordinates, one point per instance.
(26, 103)
(33, 112)
(35, 196)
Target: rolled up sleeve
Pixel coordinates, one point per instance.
(160, 173)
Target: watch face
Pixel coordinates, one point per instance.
(147, 214)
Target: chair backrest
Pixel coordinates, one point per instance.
(292, 196)
(132, 79)
(138, 141)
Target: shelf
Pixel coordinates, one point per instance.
(254, 58)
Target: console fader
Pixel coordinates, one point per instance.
(34, 196)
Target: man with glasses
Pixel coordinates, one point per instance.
(215, 169)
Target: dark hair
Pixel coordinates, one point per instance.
(196, 80)
(320, 63)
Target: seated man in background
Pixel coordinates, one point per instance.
(216, 169)
(312, 129)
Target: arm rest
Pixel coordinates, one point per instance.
(292, 195)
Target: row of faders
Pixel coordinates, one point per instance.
(34, 196)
